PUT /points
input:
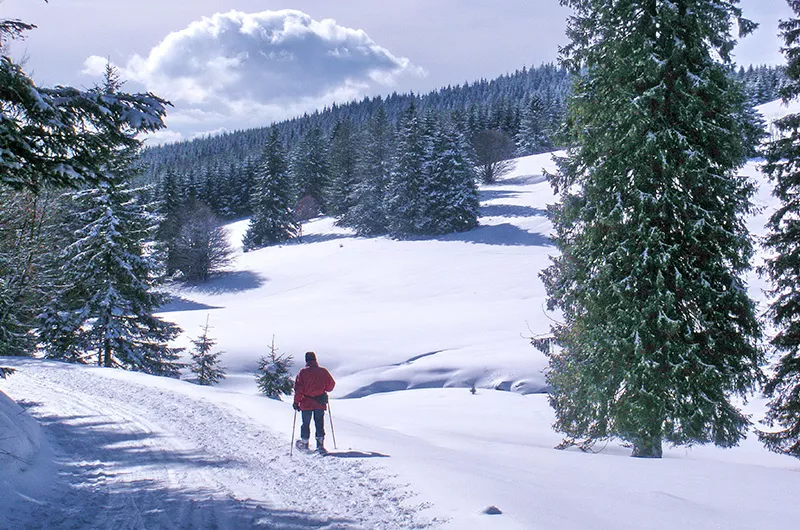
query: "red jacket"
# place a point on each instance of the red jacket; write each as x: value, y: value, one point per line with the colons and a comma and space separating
x: 312, y: 381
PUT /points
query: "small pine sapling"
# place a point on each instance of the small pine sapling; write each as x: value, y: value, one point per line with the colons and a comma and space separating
x: 272, y: 375
x: 205, y: 363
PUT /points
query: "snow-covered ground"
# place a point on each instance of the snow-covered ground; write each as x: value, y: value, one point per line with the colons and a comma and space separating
x: 406, y: 327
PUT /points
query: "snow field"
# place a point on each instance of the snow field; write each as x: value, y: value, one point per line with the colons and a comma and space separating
x: 406, y: 327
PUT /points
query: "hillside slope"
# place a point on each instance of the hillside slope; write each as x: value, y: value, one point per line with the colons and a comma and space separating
x: 406, y: 327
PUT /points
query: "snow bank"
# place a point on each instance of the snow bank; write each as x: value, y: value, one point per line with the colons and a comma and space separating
x: 21, y: 446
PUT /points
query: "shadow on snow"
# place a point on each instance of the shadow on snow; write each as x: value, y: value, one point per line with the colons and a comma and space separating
x: 230, y: 282
x: 356, y: 454
x: 511, y: 210
x: 96, y: 490
x: 177, y: 303
x: 504, y: 234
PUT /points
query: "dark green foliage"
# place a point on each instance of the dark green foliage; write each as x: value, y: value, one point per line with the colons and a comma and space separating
x: 205, y: 363
x: 171, y: 207
x: 407, y: 180
x: 272, y: 220
x: 49, y: 139
x: 450, y: 194
x: 103, y: 307
x: 367, y: 214
x: 221, y: 166
x: 658, y: 331
x: 344, y: 158
x: 783, y: 158
x: 535, y: 135
x: 62, y: 136
x: 272, y: 376
x: 310, y: 168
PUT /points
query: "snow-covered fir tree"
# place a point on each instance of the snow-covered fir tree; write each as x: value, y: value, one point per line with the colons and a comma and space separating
x: 205, y: 362
x: 450, y: 193
x: 62, y: 136
x: 658, y: 332
x: 344, y: 160
x: 103, y: 310
x: 272, y: 220
x: 310, y: 168
x: 534, y: 136
x: 272, y: 376
x: 783, y: 166
x: 171, y: 204
x: 367, y: 214
x: 407, y: 180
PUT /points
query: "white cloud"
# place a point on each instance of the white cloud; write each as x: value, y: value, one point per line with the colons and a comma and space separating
x: 163, y: 136
x: 261, y: 66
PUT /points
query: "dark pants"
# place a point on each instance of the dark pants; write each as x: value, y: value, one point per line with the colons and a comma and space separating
x: 319, y: 424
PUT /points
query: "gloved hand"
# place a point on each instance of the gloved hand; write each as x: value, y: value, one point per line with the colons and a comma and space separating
x: 296, y: 407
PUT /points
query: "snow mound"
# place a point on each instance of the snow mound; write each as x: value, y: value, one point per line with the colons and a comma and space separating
x: 20, y: 444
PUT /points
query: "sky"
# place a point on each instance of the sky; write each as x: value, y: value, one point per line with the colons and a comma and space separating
x: 229, y: 65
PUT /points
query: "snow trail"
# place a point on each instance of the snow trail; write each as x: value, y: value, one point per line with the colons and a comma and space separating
x: 133, y: 456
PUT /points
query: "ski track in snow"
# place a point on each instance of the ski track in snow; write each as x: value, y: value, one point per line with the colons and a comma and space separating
x: 131, y: 456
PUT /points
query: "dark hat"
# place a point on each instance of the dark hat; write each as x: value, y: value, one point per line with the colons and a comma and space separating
x: 310, y: 356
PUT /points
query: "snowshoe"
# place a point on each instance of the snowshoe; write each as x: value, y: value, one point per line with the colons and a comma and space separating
x: 302, y: 445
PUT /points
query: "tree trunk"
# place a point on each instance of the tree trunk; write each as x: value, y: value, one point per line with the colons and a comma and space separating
x: 107, y: 354
x: 647, y: 447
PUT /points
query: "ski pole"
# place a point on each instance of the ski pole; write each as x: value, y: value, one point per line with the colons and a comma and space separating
x: 294, y: 424
x: 333, y: 433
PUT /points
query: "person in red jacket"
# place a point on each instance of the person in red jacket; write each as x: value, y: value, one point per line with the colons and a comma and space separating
x: 311, y: 387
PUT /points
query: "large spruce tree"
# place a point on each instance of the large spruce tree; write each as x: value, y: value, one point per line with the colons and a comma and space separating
x: 344, y: 157
x: 272, y: 220
x: 404, y: 192
x: 658, y: 331
x: 450, y: 193
x: 367, y: 213
x: 310, y: 168
x: 103, y: 309
x: 783, y: 166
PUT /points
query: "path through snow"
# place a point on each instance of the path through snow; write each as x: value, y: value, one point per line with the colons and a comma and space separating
x: 131, y: 456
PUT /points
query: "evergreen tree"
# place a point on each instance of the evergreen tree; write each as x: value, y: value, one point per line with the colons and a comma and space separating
x: 451, y: 194
x: 272, y: 376
x: 407, y: 180
x: 205, y: 363
x: 783, y: 166
x: 62, y: 136
x: 658, y: 332
x: 104, y: 305
x: 311, y: 168
x: 272, y: 220
x: 367, y: 214
x: 344, y: 162
x: 533, y: 136
x: 171, y: 206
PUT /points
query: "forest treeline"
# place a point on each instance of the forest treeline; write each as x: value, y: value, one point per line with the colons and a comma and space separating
x: 516, y: 114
